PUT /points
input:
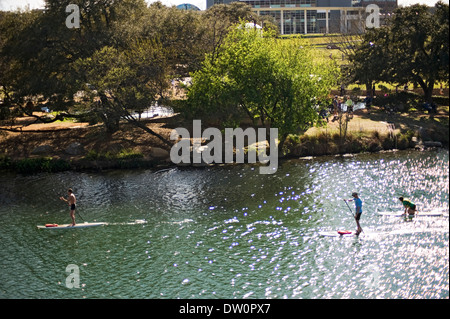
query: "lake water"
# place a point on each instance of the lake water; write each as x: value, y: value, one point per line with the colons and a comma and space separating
x: 229, y: 232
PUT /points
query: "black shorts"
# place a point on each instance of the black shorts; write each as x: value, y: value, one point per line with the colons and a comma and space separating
x: 358, y: 216
x: 413, y: 207
x: 72, y: 207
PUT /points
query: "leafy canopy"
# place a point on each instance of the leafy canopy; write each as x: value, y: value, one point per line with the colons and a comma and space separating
x: 412, y: 47
x: 257, y: 76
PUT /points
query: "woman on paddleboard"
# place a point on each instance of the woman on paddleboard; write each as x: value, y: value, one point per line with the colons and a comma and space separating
x: 409, y: 206
x: 72, y: 201
x: 358, y: 211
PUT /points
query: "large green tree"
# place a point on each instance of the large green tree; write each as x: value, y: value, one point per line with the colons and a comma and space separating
x: 258, y: 76
x: 12, y: 24
x: 418, y: 46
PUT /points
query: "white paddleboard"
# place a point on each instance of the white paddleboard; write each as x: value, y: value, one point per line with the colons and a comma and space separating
x: 69, y: 226
x: 432, y: 213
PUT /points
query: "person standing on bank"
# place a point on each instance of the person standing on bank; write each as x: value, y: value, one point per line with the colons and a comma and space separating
x: 72, y: 201
x: 358, y: 210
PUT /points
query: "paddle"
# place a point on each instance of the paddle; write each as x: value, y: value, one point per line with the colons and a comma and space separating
x: 80, y: 215
x: 349, y: 208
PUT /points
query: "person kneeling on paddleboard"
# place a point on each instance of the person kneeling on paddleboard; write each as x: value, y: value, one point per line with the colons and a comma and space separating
x: 358, y: 211
x: 409, y: 206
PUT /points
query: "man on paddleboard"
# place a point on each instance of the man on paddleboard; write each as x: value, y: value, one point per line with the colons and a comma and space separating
x: 358, y: 211
x: 409, y: 206
x: 72, y: 201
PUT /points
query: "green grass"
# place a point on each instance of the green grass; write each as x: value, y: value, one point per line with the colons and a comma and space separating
x: 124, y: 154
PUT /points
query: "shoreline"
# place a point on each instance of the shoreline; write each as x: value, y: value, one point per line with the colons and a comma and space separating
x: 34, y: 165
x: 70, y: 146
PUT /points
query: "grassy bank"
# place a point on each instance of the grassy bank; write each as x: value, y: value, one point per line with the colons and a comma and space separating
x: 324, y: 143
x: 53, y: 165
x: 373, y: 131
x: 131, y: 148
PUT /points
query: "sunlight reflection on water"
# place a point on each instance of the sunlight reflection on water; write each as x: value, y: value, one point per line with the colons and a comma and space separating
x: 232, y: 233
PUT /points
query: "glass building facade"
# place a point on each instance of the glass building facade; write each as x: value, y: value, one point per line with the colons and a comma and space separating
x: 268, y: 3
x: 293, y: 21
x: 312, y: 16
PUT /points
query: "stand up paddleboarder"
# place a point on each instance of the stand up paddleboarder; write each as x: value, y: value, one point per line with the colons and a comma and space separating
x: 72, y: 201
x: 358, y: 210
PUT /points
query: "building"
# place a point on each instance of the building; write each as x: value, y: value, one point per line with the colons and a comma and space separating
x: 315, y: 16
x: 188, y: 6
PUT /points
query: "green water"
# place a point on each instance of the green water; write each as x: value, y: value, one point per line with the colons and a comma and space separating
x: 229, y: 232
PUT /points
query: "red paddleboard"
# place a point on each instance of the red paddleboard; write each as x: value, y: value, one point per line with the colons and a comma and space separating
x: 339, y: 233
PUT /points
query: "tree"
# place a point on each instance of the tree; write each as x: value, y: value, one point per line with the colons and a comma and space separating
x: 46, y: 58
x: 11, y: 24
x: 365, y: 65
x: 421, y: 38
x: 122, y: 57
x: 123, y: 81
x: 220, y: 18
x: 412, y: 47
x: 182, y: 33
x: 263, y: 78
x: 44, y: 48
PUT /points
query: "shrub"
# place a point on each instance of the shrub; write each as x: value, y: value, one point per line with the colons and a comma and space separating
x: 375, y: 135
x: 5, y: 162
x: 404, y: 140
x: 129, y: 154
x: 124, y: 154
x: 388, y: 143
x: 41, y: 164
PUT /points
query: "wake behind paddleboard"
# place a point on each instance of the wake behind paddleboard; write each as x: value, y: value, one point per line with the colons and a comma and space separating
x: 339, y: 233
x: 69, y: 226
x: 432, y: 213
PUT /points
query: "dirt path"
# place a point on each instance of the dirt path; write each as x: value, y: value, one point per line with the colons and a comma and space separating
x: 60, y: 135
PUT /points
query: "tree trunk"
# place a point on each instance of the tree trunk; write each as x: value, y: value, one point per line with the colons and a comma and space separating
x: 429, y: 92
x: 427, y: 89
x: 111, y: 122
x: 369, y: 91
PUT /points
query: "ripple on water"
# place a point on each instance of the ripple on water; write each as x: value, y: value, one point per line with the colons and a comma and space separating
x: 232, y: 233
